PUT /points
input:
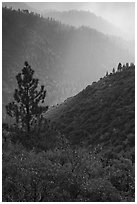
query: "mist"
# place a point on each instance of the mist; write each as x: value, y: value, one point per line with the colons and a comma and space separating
x: 68, y: 102
x: 120, y: 14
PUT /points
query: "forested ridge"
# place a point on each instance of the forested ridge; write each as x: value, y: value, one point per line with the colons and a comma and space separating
x: 101, y: 112
x: 79, y: 18
x: 84, y: 153
x: 62, y: 56
x: 82, y: 149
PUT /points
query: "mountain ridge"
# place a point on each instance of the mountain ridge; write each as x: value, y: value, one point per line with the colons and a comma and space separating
x: 79, y: 18
x: 101, y: 112
x: 64, y: 58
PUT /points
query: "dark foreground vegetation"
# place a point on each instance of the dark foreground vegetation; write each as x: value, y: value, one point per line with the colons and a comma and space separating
x: 66, y: 174
x: 43, y: 163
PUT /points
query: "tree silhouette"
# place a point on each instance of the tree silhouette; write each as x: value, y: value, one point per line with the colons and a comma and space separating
x: 25, y: 108
x: 119, y: 67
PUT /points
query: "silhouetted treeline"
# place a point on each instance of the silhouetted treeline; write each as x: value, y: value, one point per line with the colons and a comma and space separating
x: 122, y: 68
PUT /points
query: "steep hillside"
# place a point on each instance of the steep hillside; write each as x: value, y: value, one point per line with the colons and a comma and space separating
x: 103, y: 113
x: 43, y: 166
x: 64, y: 58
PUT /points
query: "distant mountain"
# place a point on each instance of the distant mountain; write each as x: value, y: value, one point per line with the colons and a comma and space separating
x: 64, y: 58
x: 84, y: 18
x: 101, y: 114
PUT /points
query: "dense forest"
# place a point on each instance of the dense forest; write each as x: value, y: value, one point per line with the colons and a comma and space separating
x: 85, y: 152
x: 95, y: 110
x: 62, y: 56
x: 79, y: 150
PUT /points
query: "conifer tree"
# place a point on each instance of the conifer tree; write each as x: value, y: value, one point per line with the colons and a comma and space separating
x: 26, y: 107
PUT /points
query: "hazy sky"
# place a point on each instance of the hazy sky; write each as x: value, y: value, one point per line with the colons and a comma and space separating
x: 121, y: 14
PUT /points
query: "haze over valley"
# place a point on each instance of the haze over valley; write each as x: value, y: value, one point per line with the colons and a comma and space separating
x: 68, y: 102
x: 65, y: 58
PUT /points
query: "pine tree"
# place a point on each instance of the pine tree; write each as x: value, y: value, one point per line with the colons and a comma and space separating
x: 25, y: 108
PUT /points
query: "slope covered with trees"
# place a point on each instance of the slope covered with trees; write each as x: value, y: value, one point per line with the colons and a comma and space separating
x: 103, y: 113
x: 48, y: 167
x: 83, y: 18
x: 64, y: 58
x: 82, y: 149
